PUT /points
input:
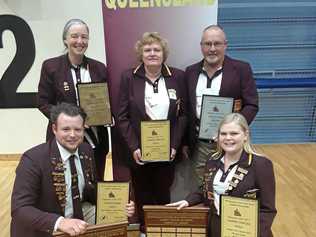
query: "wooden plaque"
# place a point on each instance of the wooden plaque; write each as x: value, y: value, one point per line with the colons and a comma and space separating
x: 165, y: 221
x: 102, y: 230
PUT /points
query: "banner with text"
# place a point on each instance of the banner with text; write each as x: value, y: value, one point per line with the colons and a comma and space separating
x: 179, y: 21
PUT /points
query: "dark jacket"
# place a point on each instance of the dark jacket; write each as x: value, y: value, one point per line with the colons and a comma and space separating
x: 34, y: 204
x: 260, y: 176
x: 237, y: 82
x: 132, y: 105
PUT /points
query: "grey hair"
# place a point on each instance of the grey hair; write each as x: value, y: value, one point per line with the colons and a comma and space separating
x: 215, y: 27
x: 69, y: 24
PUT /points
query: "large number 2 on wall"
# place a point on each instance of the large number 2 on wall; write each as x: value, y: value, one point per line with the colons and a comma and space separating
x: 20, y: 65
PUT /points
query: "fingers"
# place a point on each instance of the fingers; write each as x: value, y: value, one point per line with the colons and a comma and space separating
x: 137, y: 157
x: 73, y: 227
x: 180, y: 204
x: 79, y: 227
x: 174, y: 204
x: 173, y: 154
x: 113, y: 122
x: 130, y: 209
x: 78, y: 230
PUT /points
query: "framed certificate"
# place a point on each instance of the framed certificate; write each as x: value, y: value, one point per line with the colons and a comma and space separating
x: 155, y: 140
x: 239, y: 216
x: 213, y: 110
x: 94, y: 99
x: 112, y: 198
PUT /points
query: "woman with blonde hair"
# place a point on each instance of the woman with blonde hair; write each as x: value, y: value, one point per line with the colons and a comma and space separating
x: 236, y: 170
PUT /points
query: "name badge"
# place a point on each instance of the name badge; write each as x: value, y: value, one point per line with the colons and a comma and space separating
x: 172, y: 94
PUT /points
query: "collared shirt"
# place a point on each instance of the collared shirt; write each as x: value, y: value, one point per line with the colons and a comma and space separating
x: 84, y: 78
x: 156, y: 99
x: 221, y: 181
x: 65, y: 158
x: 201, y: 89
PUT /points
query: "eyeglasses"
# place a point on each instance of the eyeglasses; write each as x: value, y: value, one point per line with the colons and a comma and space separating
x: 216, y: 44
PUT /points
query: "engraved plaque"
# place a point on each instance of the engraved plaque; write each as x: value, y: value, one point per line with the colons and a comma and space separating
x: 169, y: 222
x: 94, y: 99
x: 239, y: 216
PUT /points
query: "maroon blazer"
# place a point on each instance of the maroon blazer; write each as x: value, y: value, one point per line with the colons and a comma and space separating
x: 260, y: 177
x: 34, y: 204
x: 237, y: 82
x: 132, y: 105
x: 55, y: 74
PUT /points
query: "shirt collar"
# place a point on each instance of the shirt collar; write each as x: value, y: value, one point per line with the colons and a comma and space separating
x: 84, y: 63
x: 64, y: 153
x: 231, y: 165
x: 202, y: 69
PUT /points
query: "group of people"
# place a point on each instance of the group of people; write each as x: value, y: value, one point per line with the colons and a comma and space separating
x: 43, y: 197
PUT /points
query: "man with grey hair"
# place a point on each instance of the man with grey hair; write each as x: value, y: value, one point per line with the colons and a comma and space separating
x: 219, y: 75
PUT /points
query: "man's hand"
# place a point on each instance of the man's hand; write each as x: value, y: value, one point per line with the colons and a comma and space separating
x: 137, y: 157
x: 73, y: 227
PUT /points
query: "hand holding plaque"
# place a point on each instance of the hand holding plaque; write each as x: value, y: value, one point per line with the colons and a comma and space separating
x: 155, y: 139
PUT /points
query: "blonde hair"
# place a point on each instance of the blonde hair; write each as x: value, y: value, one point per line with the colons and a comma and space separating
x: 240, y: 120
x: 150, y: 38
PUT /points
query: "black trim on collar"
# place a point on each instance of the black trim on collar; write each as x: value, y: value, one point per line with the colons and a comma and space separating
x: 140, y: 71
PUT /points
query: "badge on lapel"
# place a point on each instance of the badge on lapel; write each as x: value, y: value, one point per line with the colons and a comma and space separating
x: 66, y: 86
x: 172, y: 94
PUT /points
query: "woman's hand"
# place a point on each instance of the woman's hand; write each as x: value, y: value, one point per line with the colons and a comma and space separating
x: 137, y: 156
x: 113, y: 122
x: 173, y: 154
x: 180, y: 204
x: 130, y: 209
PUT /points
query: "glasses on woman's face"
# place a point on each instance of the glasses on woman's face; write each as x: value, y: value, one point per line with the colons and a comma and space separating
x: 209, y: 44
